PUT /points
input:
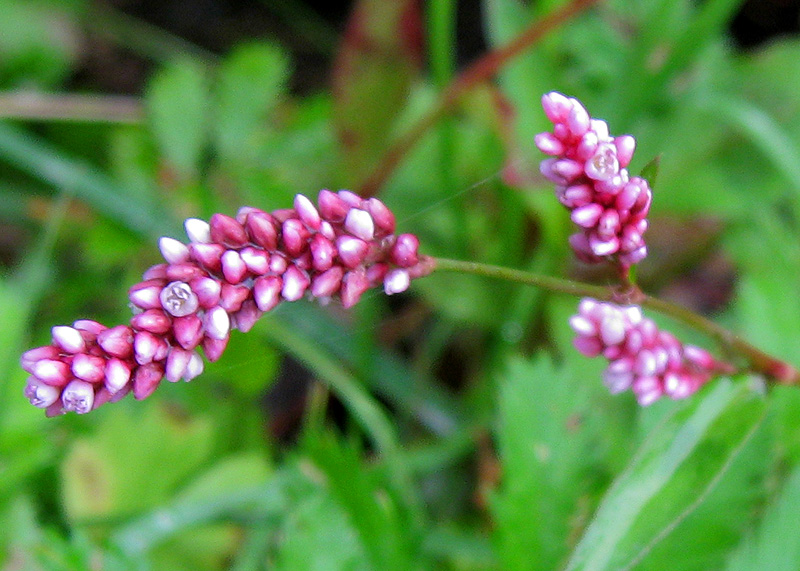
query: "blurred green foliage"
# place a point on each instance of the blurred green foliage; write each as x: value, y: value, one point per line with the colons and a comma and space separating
x: 456, y: 428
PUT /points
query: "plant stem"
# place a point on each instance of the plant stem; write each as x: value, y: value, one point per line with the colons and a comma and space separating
x: 71, y: 107
x: 480, y: 71
x: 757, y: 360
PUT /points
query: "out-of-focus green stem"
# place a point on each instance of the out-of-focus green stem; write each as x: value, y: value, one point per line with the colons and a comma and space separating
x: 757, y: 360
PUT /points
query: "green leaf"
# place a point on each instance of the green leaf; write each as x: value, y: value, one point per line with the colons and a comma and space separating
x: 249, y: 84
x: 373, y: 509
x: 681, y: 461
x: 774, y: 546
x: 177, y: 103
x: 553, y: 438
x: 118, y: 471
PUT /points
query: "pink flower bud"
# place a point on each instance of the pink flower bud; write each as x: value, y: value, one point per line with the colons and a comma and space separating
x: 227, y: 231
x: 405, y: 251
x: 188, y: 331
x: 232, y: 297
x: 88, y: 368
x: 174, y: 252
x: 332, y: 207
x: 262, y: 229
x: 117, y: 374
x: 295, y: 283
x: 266, y: 292
x: 146, y: 380
x: 382, y: 216
x: 208, y: 255
x: 327, y: 283
x: 68, y: 338
x: 153, y: 320
x: 247, y: 316
x: 198, y: 231
x: 213, y: 348
x: 78, y: 396
x: 352, y: 251
x: 233, y: 267
x: 256, y: 260
x: 217, y: 323
x: 294, y: 236
x: 40, y: 394
x: 307, y: 212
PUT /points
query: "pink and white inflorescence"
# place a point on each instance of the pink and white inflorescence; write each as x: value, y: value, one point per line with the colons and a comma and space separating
x: 642, y: 358
x: 231, y: 272
x: 589, y: 168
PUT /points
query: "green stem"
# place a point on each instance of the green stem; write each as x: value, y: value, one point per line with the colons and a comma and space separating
x: 757, y: 360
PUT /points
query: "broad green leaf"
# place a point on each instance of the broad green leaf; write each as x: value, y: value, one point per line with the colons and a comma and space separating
x: 774, y: 546
x: 249, y: 83
x: 381, y: 522
x: 560, y: 436
x: 372, y: 77
x: 177, y: 103
x: 675, y: 469
x: 132, y: 463
x: 317, y: 535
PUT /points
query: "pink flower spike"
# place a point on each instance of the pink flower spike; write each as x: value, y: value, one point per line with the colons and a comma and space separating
x: 78, y: 396
x: 68, y: 338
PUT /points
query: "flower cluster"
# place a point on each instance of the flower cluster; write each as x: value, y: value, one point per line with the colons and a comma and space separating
x: 588, y: 167
x: 651, y: 362
x: 230, y: 273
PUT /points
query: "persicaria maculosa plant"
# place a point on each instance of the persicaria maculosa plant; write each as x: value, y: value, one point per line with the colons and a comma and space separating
x: 233, y: 270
